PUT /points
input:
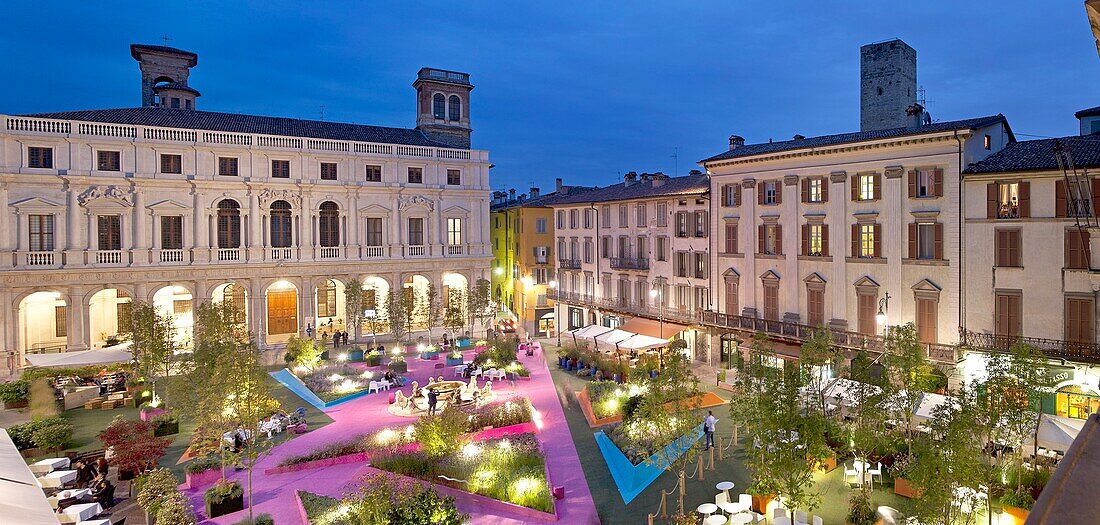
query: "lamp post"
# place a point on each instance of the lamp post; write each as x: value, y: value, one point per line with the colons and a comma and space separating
x: 883, y: 309
x: 557, y: 322
x: 657, y: 294
x: 527, y: 282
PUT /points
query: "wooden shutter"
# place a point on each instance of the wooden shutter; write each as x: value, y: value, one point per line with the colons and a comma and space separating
x: 938, y: 243
x: 855, y: 187
x: 912, y: 184
x: 760, y: 192
x: 1025, y: 199
x: 878, y: 240
x: 779, y: 192
x: 912, y: 240
x: 991, y: 200
x: 706, y: 223
x: 1060, y: 198
x: 805, y: 239
x: 779, y: 239
x: 855, y: 240
x: 825, y: 189
x: 805, y: 190
x: 825, y: 240
x: 926, y: 320
x: 1000, y: 250
x: 737, y: 194
x: 937, y: 182
x: 1096, y: 197
x: 877, y: 179
x: 760, y: 231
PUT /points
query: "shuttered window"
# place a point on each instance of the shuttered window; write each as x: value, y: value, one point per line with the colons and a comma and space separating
x: 815, y: 240
x: 732, y: 306
x: 1007, y: 247
x: 60, y: 321
x: 771, y: 300
x: 927, y: 315
x: 171, y: 163
x: 171, y: 232
x: 40, y: 228
x: 1077, y: 249
x: 731, y: 237
x: 1080, y: 320
x: 1007, y: 314
x: 815, y: 305
x: 110, y: 232
x: 229, y: 224
x: 867, y: 302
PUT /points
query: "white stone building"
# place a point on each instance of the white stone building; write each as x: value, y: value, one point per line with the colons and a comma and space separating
x: 178, y: 206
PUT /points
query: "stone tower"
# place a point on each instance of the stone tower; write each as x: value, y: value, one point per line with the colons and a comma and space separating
x: 443, y: 105
x: 888, y: 84
x: 164, y: 72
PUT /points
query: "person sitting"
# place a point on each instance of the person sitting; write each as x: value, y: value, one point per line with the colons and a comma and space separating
x: 391, y: 377
x: 469, y: 371
x: 84, y: 473
x: 103, y: 492
x: 101, y: 466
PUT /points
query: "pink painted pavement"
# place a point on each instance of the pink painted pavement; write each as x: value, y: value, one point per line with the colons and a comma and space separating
x: 274, y: 494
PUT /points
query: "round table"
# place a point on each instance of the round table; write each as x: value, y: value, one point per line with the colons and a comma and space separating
x: 725, y: 487
x: 732, y: 507
x: 707, y: 508
x: 743, y: 517
x: 717, y: 519
x: 782, y: 520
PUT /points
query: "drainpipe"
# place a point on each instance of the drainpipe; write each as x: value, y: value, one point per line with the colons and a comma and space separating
x: 962, y: 242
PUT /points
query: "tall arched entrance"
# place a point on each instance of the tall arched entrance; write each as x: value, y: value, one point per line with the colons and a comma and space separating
x: 282, y: 311
x: 177, y: 302
x: 233, y: 294
x: 43, y: 323
x: 109, y: 316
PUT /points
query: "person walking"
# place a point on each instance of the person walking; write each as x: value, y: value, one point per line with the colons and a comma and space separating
x: 309, y: 330
x: 433, y: 398
x: 708, y: 428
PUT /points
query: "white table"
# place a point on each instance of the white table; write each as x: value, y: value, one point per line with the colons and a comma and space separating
x: 48, y: 465
x: 707, y: 508
x: 65, y: 494
x: 732, y: 507
x: 716, y: 519
x: 743, y: 517
x: 725, y: 486
x: 79, y: 512
x: 57, y: 478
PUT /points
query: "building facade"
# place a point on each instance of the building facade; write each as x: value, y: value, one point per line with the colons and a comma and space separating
x: 176, y: 206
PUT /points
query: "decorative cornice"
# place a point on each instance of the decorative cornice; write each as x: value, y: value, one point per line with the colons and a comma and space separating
x: 790, y: 180
x: 838, y: 176
x: 105, y: 193
x: 405, y: 202
x: 894, y: 172
x: 840, y: 148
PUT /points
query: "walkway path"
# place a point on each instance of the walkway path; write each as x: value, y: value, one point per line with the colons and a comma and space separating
x: 274, y: 494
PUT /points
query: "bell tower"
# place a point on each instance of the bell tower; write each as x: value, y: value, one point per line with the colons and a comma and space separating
x: 164, y: 72
x: 443, y: 106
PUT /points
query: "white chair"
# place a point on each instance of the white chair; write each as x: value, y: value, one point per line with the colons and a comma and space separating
x: 373, y: 387
x: 877, y: 471
x: 852, y: 473
x: 801, y: 518
x: 459, y: 369
x: 476, y: 373
x: 779, y: 512
x: 721, y: 498
x: 818, y: 520
x: 385, y: 384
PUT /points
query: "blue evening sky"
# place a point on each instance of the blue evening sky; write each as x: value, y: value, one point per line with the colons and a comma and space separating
x: 579, y: 90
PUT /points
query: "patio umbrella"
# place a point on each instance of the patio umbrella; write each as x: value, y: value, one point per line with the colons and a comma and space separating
x: 112, y: 354
x: 642, y: 342
x: 845, y: 392
x: 926, y: 408
x: 1056, y: 432
x: 612, y: 337
x: 20, y: 496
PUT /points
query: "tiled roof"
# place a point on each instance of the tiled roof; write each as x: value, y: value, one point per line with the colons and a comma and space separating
x: 848, y: 138
x: 236, y: 123
x: 686, y: 185
x: 1087, y: 112
x: 176, y: 85
x: 136, y: 48
x: 548, y: 199
x: 1038, y: 155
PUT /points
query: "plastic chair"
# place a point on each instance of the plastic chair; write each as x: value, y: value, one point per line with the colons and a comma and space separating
x: 851, y: 473
x: 877, y: 471
x: 373, y: 387
x: 721, y: 498
x: 818, y: 520
x: 801, y: 518
x: 779, y: 512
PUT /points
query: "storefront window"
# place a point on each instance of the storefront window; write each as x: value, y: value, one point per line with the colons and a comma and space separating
x: 1073, y: 402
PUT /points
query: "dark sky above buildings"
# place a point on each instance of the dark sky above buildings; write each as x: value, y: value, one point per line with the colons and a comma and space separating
x: 574, y: 89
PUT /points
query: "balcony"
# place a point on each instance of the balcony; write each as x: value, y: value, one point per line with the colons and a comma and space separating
x: 630, y: 263
x: 569, y: 264
x: 330, y: 252
x: 282, y: 254
x: 1078, y: 208
x: 1053, y: 348
x: 108, y: 257
x: 417, y: 250
x: 454, y: 249
x: 1008, y: 210
x: 39, y: 258
x: 171, y: 256
x: 229, y: 254
x: 374, y: 252
x: 619, y: 304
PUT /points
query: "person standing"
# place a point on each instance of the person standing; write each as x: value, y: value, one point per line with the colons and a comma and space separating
x: 708, y: 428
x: 309, y: 330
x: 433, y: 398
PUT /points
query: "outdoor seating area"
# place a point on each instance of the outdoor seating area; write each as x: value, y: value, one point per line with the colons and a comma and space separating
x: 78, y: 492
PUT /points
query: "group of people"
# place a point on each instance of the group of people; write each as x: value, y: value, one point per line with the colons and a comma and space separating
x: 339, y: 337
x: 92, y: 475
x: 275, y: 424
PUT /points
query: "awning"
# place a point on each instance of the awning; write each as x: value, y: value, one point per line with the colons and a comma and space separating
x: 112, y: 354
x: 652, y: 328
x: 927, y: 406
x: 846, y: 392
x: 1056, y: 433
x: 591, y: 330
x: 642, y: 342
x: 613, y: 336
x: 20, y: 495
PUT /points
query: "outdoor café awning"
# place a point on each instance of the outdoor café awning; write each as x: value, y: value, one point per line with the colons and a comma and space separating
x: 112, y: 354
x: 591, y: 330
x: 846, y: 392
x: 1056, y: 433
x: 652, y: 328
x: 20, y: 496
x: 609, y: 339
x: 642, y: 342
x: 926, y: 408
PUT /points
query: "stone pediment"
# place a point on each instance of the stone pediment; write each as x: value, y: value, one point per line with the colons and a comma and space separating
x: 109, y: 195
x: 927, y: 286
x: 456, y: 210
x: 769, y: 275
x: 409, y: 201
x: 374, y: 209
x: 37, y: 204
x: 731, y: 273
x: 866, y: 282
x: 814, y: 277
x: 169, y: 206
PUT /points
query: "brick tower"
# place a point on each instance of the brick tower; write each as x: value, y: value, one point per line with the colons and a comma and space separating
x: 888, y: 84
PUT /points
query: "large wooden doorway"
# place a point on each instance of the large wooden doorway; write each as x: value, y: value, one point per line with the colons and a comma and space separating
x: 282, y: 312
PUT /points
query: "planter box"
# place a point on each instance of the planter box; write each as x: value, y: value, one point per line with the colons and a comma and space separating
x: 355, y: 356
x: 903, y: 488
x: 1018, y: 515
x: 227, y: 506
x: 429, y: 355
x: 16, y: 404
x: 167, y: 429
x: 760, y: 503
x: 499, y: 432
x: 204, y: 478
x: 483, y: 504
x: 455, y: 361
x: 826, y: 464
x: 632, y: 479
x: 320, y: 463
x: 149, y: 413
x: 373, y: 360
x: 399, y: 367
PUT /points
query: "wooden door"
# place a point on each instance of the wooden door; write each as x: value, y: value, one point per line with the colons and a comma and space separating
x: 867, y: 312
x: 282, y: 312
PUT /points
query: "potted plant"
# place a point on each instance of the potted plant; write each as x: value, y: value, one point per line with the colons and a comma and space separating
x: 454, y: 358
x: 430, y: 352
x: 176, y: 510
x: 262, y: 519
x: 156, y: 487
x: 399, y: 365
x: 902, y: 486
x: 859, y: 510
x: 165, y: 425
x: 355, y: 355
x: 1017, y: 504
x: 373, y: 358
x: 53, y: 436
x: 202, y: 470
x: 152, y: 409
x: 15, y: 393
x: 224, y: 497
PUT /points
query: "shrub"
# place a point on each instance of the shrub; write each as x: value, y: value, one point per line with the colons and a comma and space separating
x: 1020, y: 499
x: 43, y: 401
x: 23, y: 434
x: 135, y: 448
x: 859, y: 510
x: 176, y: 510
x: 53, y: 435
x: 159, y: 485
x: 441, y: 434
x: 203, y: 464
x: 14, y: 391
x: 383, y: 501
x: 329, y: 450
x: 304, y: 352
x: 412, y: 464
x: 222, y: 491
x: 321, y: 382
x: 499, y: 414
x: 262, y: 519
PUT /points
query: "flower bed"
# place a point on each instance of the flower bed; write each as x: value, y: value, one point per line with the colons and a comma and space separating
x: 385, y: 439
x: 503, y: 355
x: 632, y: 478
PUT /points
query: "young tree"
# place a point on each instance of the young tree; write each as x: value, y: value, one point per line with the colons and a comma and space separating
x: 353, y: 307
x: 454, y: 316
x: 399, y: 309
x: 248, y: 401
x: 433, y: 308
x: 907, y: 369
x: 479, y: 302
x: 817, y: 355
x: 154, y: 342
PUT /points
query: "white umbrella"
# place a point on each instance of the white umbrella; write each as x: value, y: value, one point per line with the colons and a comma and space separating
x: 846, y: 392
x: 926, y: 408
x: 113, y: 354
x: 1056, y: 433
x: 642, y: 342
x: 591, y: 330
x: 612, y: 337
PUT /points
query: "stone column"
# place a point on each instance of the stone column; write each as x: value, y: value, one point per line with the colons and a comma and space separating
x: 79, y: 329
x: 307, y: 304
x: 257, y: 310
x: 6, y: 231
x: 201, y: 229
x: 255, y: 232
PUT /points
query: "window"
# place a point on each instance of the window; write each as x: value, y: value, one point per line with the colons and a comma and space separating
x: 731, y: 237
x: 281, y: 236
x: 60, y: 321
x: 280, y: 169
x: 229, y: 224
x: 813, y: 190
x: 328, y: 224
x: 731, y: 296
x: 454, y: 231
x: 928, y: 243
x: 171, y: 232
x: 866, y: 241
x: 572, y: 219
x: 988, y: 142
x: 606, y: 211
x: 700, y: 265
x: 865, y: 190
x: 1008, y: 200
x: 605, y: 247
x: 227, y: 166
x: 41, y: 233
x: 574, y: 250
x: 925, y: 183
x: 541, y: 275
x: 681, y: 266
x: 815, y: 304
x: 731, y: 195
x: 1080, y: 320
x: 373, y: 173
x: 813, y: 239
x: 1007, y: 247
x: 416, y: 175
x: 175, y: 103
x: 326, y: 299
x: 454, y: 177
x: 771, y: 300
x: 927, y: 315
x: 588, y: 251
x: 771, y: 239
x: 1007, y: 310
x: 374, y: 231
x: 641, y: 247
x: 561, y: 219
x: 624, y: 247
x: 662, y: 248
x: 454, y: 108
x: 701, y: 226
x: 416, y: 231
x: 540, y: 225
x: 1072, y: 200
x: 681, y: 224
x: 662, y: 214
x: 701, y: 302
x: 110, y: 232
x: 328, y: 170
x: 867, y: 304
x: 641, y: 219
x: 171, y: 163
x: 439, y: 106
x: 770, y: 195
x: 108, y: 160
x: 39, y: 157
x: 624, y: 220
x: 588, y: 213
x: 1077, y: 249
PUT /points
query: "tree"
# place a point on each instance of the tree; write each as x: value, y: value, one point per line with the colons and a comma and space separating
x: 248, y: 401
x: 133, y: 447
x: 399, y: 309
x: 454, y: 316
x: 432, y: 307
x: 479, y: 302
x: 154, y: 342
x: 304, y: 352
x: 818, y: 355
x: 908, y: 369
x: 353, y: 306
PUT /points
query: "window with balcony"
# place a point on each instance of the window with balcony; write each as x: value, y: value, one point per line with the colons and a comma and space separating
x: 41, y: 232
x: 731, y: 238
x: 280, y: 169
x: 171, y: 163
x: 574, y: 250
x: 1007, y: 313
x: 454, y: 231
x: 416, y: 175
x: 328, y: 224
x: 732, y: 301
x: 329, y: 170
x: 108, y: 160
x: 454, y: 177
x: 700, y: 265
x: 866, y: 240
x: 109, y: 232
x: 624, y: 247
x: 702, y: 299
x: 815, y: 304
x: 927, y: 319
x: 624, y: 219
x: 374, y: 231
x: 588, y: 251
x: 373, y: 173
x: 39, y: 157
x: 540, y: 225
x: 771, y: 299
x: 771, y: 239
x: 326, y: 299
x: 1007, y: 200
x: 171, y: 232
x: 1007, y: 247
x: 1072, y: 200
x: 416, y: 231
x: 662, y: 248
x: 814, y: 240
x: 641, y: 247
x: 280, y: 219
x: 227, y: 166
x: 866, y: 187
x: 229, y: 224
x: 1077, y: 249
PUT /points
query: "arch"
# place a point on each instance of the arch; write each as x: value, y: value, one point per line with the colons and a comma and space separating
x: 439, y: 106
x: 454, y: 108
x: 415, y: 287
x: 376, y: 292
x: 163, y: 79
x: 282, y: 310
x: 108, y: 316
x: 328, y: 224
x: 229, y: 224
x: 43, y: 322
x: 236, y: 295
x: 281, y: 231
x: 177, y: 302
x: 331, y: 304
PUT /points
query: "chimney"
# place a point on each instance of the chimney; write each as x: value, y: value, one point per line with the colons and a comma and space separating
x: 695, y: 172
x: 512, y: 194
x: 629, y: 179
x: 645, y: 177
x: 557, y: 184
x: 915, y: 116
x: 534, y: 192
x: 799, y: 137
x: 736, y: 140
x: 658, y: 179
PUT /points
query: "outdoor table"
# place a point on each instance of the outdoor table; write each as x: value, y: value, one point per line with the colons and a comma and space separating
x: 782, y: 520
x: 385, y: 384
x: 65, y: 494
x: 717, y: 519
x: 57, y: 478
x: 48, y: 465
x: 79, y: 512
x: 743, y: 517
x: 707, y: 508
x: 102, y: 521
x: 862, y: 467
x: 732, y: 507
x: 725, y: 487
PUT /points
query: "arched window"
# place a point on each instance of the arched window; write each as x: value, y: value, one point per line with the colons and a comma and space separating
x: 439, y: 106
x: 280, y: 225
x: 454, y: 108
x: 329, y: 224
x: 229, y: 224
x: 234, y: 296
x: 326, y: 299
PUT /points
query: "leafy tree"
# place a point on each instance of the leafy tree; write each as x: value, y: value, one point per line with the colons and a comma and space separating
x: 304, y: 351
x: 479, y: 302
x: 818, y: 354
x: 154, y: 340
x: 132, y: 444
x: 42, y: 399
x: 908, y: 369
x: 442, y: 433
x: 399, y: 312
x: 454, y: 316
x: 353, y: 306
x: 159, y: 485
x: 176, y: 510
x: 432, y: 307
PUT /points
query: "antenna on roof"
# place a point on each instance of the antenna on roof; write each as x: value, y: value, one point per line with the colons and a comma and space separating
x: 675, y: 160
x: 165, y: 39
x: 322, y: 112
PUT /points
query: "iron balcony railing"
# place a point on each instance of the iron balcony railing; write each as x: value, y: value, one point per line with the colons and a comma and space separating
x: 569, y: 264
x: 630, y: 263
x: 1053, y: 348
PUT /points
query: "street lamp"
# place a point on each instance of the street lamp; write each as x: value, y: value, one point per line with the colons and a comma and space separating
x: 883, y: 308
x: 527, y: 282
x: 658, y: 295
x: 557, y: 326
